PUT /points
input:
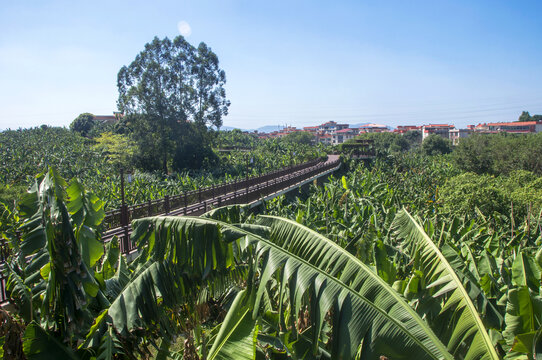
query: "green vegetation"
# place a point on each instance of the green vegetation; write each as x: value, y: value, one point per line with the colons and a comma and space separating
x: 96, y: 163
x: 419, y: 254
x: 435, y: 145
x: 116, y: 148
x: 170, y: 93
x: 392, y: 143
x: 498, y: 154
x: 525, y: 116
x: 490, y: 246
x: 299, y: 137
x: 83, y: 124
x: 518, y: 194
x: 361, y: 278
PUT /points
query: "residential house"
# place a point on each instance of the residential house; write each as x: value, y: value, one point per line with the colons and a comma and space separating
x: 437, y: 129
x: 456, y: 134
x: 516, y: 127
x: 373, y: 128
x: 342, y: 135
x: 331, y: 126
x: 401, y: 129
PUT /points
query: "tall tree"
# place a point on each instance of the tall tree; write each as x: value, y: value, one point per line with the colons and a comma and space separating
x: 525, y: 116
x: 210, y: 94
x: 169, y: 84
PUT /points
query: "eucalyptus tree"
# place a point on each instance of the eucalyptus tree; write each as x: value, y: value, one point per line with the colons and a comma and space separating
x: 209, y: 89
x: 172, y: 86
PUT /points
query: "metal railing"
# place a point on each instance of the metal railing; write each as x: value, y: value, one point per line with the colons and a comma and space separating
x: 125, y: 214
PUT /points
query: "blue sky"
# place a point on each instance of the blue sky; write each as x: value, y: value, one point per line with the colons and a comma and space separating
x: 287, y: 62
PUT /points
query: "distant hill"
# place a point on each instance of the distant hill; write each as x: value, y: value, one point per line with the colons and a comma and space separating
x: 266, y: 129
x: 229, y: 128
x: 358, y: 125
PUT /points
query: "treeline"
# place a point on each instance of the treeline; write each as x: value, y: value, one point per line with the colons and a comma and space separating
x: 518, y: 194
x: 485, y: 173
x: 498, y: 154
x: 388, y: 143
x: 494, y: 154
x: 501, y: 174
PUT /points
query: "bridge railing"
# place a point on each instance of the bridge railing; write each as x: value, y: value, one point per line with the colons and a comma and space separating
x: 195, y: 202
x: 124, y: 215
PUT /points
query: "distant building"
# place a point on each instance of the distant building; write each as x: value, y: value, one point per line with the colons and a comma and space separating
x: 325, y: 139
x: 516, y: 127
x: 287, y: 130
x: 278, y: 133
x: 331, y: 126
x: 373, y: 128
x: 108, y: 119
x: 311, y: 129
x: 456, y: 134
x: 341, y: 136
x: 401, y: 129
x: 442, y: 130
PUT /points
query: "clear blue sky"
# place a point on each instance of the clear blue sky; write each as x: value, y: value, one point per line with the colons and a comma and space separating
x: 287, y: 62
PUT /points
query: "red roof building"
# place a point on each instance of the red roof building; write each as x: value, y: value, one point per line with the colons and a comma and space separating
x: 437, y: 129
x: 342, y: 135
x: 519, y: 127
x: 401, y: 129
x: 331, y: 126
x: 372, y: 128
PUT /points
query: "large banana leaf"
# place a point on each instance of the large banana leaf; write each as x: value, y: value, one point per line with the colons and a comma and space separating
x: 459, y: 324
x: 57, y: 271
x: 350, y: 271
x: 369, y: 317
x: 38, y: 344
x: 236, y: 339
x: 177, y: 261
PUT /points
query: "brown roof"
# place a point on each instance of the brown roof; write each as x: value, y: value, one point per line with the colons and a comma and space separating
x: 347, y: 130
x: 438, y: 125
x: 516, y: 123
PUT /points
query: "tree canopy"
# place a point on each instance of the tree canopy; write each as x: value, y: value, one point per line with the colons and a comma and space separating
x: 435, y: 144
x: 525, y: 116
x: 118, y: 148
x: 299, y: 137
x: 83, y: 124
x: 499, y: 153
x: 173, y: 89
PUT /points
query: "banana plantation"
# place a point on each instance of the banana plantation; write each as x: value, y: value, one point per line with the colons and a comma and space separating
x: 376, y: 263
x: 27, y: 152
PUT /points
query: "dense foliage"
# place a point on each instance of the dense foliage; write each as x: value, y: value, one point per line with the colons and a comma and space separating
x: 391, y: 143
x: 96, y: 163
x: 172, y: 91
x: 409, y: 256
x: 436, y: 145
x: 83, y: 124
x: 500, y: 153
x: 372, y: 280
x: 491, y: 248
